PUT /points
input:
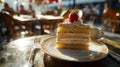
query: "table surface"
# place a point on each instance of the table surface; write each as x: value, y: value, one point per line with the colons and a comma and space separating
x: 39, y: 23
x: 17, y: 53
x: 39, y: 17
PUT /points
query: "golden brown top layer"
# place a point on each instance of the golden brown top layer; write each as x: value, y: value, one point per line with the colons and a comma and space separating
x: 70, y: 28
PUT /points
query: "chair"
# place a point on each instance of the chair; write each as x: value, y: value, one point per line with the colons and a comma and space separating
x: 65, y: 14
x: 37, y: 28
x: 15, y: 29
x: 50, y: 26
x: 111, y: 20
x: 8, y: 26
x: 50, y: 13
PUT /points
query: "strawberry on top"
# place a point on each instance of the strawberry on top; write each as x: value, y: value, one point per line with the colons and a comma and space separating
x: 73, y: 16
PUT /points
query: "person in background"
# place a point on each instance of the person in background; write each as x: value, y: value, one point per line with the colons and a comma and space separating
x: 30, y: 10
x: 7, y: 8
x: 22, y: 10
x: 100, y: 12
x: 40, y: 8
x: 86, y: 11
x: 94, y: 13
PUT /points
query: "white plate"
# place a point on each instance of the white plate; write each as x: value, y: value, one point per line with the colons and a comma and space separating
x: 97, y: 51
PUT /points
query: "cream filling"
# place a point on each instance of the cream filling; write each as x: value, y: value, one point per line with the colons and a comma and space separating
x: 73, y: 41
x: 72, y: 30
x: 72, y: 35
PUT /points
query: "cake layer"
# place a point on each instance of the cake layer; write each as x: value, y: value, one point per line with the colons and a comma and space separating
x: 74, y: 25
x: 71, y: 46
x: 72, y: 35
x: 73, y: 40
x: 73, y: 28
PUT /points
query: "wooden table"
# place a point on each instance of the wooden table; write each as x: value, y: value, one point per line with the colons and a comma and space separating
x: 43, y: 20
x: 27, y: 18
x: 17, y: 53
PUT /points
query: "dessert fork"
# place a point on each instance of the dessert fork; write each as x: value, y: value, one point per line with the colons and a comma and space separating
x: 35, y: 48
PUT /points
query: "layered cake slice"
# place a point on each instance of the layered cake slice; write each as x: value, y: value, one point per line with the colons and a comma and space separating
x: 73, y: 34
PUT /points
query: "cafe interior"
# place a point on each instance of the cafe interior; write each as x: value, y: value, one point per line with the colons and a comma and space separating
x: 29, y: 30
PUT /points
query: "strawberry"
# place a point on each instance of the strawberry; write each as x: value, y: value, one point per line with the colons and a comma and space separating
x: 73, y: 16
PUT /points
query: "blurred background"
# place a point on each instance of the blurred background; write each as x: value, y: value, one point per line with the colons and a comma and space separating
x: 67, y: 4
x: 103, y: 14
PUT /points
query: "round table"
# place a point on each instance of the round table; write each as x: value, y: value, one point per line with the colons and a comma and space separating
x: 17, y: 53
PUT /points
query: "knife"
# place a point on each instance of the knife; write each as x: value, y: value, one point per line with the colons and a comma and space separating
x: 113, y: 44
x: 115, y: 55
x: 110, y: 42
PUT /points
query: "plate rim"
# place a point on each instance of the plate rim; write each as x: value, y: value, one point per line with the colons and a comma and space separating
x: 46, y: 51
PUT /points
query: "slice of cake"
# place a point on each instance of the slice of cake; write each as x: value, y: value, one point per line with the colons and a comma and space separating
x: 73, y: 35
